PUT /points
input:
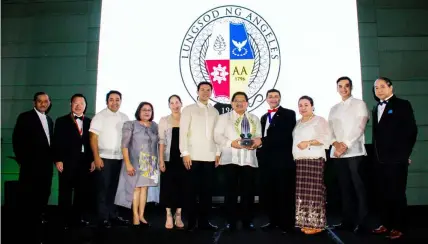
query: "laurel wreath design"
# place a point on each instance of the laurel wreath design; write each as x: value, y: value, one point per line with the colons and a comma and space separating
x: 202, y: 65
x: 256, y: 65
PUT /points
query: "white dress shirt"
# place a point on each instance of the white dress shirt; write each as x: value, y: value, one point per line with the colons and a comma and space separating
x: 108, y: 126
x: 45, y: 125
x: 315, y: 129
x: 225, y: 133
x: 348, y: 120
x: 80, y: 126
x: 197, y: 132
x: 79, y: 122
x: 381, y: 108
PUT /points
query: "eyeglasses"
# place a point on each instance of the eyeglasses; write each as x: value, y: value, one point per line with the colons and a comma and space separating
x: 240, y: 101
x: 146, y: 110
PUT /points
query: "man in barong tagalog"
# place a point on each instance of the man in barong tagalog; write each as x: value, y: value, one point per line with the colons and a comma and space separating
x: 105, y: 138
x: 238, y: 133
x: 200, y: 155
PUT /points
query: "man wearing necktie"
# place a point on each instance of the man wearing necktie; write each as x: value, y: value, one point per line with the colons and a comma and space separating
x: 74, y: 162
x: 277, y: 167
x: 394, y: 135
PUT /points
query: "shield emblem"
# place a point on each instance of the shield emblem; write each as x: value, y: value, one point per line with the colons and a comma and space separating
x: 229, y: 59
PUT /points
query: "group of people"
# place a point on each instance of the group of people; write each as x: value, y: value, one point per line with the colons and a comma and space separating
x: 182, y: 151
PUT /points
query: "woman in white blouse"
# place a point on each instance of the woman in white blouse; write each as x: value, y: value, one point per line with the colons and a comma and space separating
x: 238, y: 161
x: 310, y: 139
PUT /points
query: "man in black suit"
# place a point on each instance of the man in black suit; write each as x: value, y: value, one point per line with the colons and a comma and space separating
x: 394, y: 135
x: 74, y: 161
x: 277, y: 167
x: 31, y: 141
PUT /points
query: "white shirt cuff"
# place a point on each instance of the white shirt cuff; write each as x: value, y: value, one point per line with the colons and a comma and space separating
x: 185, y: 153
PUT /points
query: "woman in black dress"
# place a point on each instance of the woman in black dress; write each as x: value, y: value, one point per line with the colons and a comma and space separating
x: 172, y: 183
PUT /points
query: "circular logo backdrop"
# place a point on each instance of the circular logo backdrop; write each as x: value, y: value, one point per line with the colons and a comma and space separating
x: 234, y: 49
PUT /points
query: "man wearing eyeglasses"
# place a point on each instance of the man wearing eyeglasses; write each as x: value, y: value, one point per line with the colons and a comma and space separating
x: 238, y: 133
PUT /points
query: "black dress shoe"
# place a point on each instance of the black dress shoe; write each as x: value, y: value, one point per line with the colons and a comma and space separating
x: 83, y: 222
x: 345, y: 227
x: 361, y: 230
x: 65, y: 226
x: 120, y: 221
x: 288, y: 231
x: 43, y: 220
x: 268, y: 227
x: 230, y: 227
x: 207, y: 226
x: 248, y: 226
x: 191, y: 227
x: 105, y: 224
x: 333, y: 226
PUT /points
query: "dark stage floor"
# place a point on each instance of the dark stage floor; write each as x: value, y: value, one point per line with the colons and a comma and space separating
x: 53, y: 234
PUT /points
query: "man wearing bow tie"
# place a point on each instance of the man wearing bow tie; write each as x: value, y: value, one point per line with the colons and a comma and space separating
x: 276, y: 164
x: 74, y: 161
x: 394, y: 135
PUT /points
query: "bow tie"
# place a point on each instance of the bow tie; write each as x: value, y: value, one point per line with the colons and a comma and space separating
x: 272, y: 110
x: 76, y: 118
x: 382, y: 103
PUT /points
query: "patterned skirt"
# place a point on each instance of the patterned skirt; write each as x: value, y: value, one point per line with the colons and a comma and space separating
x: 310, y: 194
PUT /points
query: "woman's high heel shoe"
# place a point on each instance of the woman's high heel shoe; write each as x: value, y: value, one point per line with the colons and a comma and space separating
x: 146, y: 224
x: 175, y: 221
x: 134, y: 225
x: 169, y: 227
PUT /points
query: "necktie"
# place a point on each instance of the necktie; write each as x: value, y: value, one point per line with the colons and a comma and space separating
x: 76, y: 117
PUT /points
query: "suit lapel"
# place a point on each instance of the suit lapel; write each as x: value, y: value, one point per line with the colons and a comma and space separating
x: 263, y: 122
x: 86, y: 125
x: 374, y: 115
x: 388, y: 107
x: 275, y: 117
x: 51, y: 127
x: 74, y: 125
x: 39, y: 124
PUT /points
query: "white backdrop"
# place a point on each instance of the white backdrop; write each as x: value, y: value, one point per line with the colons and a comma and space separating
x: 140, y: 44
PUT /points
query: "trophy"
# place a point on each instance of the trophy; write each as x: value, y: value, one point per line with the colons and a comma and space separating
x: 246, y: 140
x: 245, y: 135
